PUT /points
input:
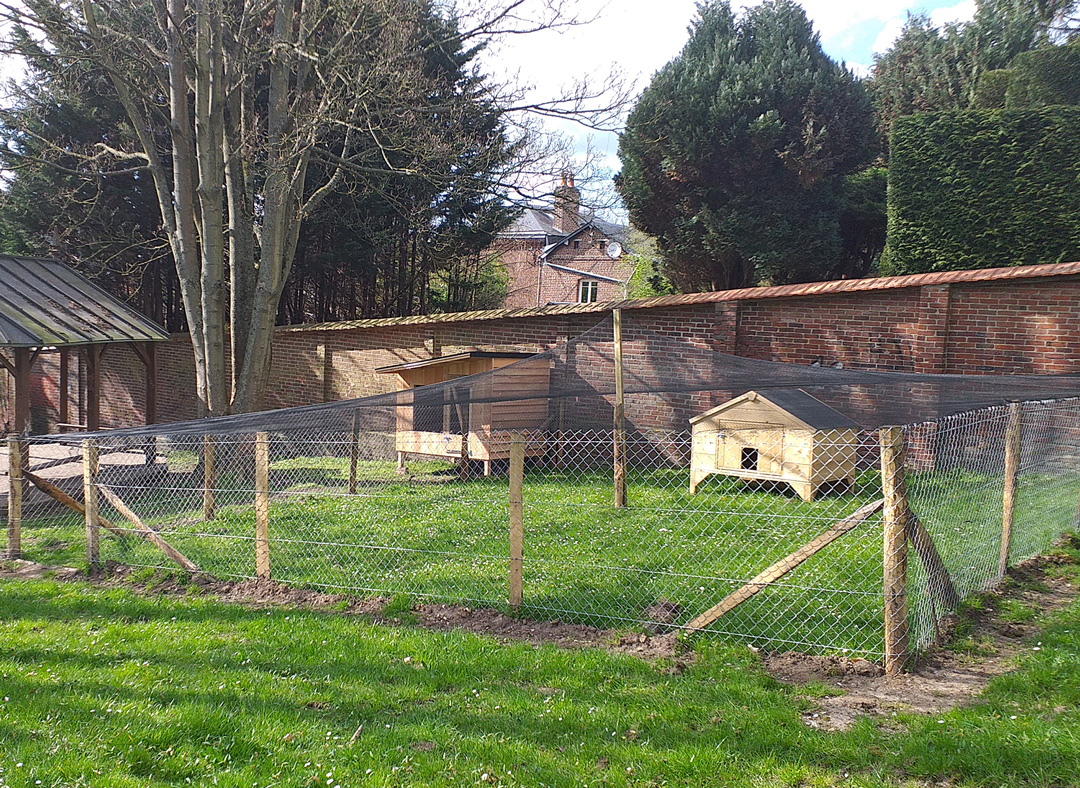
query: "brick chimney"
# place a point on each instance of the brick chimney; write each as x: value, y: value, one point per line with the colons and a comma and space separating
x: 567, y: 202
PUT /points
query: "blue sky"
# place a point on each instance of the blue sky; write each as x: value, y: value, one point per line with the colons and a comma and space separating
x: 637, y: 37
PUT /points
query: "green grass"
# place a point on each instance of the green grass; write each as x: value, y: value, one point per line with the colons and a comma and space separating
x: 428, y: 536
x: 103, y: 687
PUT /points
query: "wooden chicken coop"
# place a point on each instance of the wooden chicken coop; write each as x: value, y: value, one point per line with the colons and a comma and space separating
x: 477, y: 429
x: 782, y: 435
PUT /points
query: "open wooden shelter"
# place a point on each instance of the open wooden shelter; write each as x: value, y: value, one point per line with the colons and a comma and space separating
x: 473, y: 430
x: 46, y: 307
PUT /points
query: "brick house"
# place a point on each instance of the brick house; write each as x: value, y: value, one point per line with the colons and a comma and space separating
x: 563, y: 257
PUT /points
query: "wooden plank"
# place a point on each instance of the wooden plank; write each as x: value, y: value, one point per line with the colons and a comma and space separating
x: 209, y: 495
x: 517, y: 517
x: 90, y: 504
x: 262, y: 505
x: 146, y: 532
x: 60, y: 496
x: 894, y: 548
x: 1012, y: 467
x: 619, y: 443
x: 941, y: 584
x: 464, y: 413
x: 15, y: 497
x: 784, y: 566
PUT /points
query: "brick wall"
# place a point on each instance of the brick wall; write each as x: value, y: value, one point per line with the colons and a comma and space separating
x: 1006, y: 325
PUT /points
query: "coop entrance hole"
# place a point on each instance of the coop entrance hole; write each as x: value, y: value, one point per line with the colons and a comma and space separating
x: 749, y: 459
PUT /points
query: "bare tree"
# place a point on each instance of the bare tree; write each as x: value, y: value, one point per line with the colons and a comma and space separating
x: 249, y: 113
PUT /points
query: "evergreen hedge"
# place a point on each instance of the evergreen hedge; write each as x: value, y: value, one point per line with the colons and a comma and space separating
x: 982, y: 189
x: 1044, y: 78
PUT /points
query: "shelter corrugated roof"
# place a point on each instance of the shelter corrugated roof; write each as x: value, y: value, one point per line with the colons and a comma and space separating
x: 44, y: 303
x: 742, y: 294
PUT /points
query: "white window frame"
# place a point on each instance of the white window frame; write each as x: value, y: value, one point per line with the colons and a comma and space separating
x: 588, y: 291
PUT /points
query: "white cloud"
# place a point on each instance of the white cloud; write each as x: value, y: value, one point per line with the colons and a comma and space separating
x: 889, y: 33
x: 961, y: 12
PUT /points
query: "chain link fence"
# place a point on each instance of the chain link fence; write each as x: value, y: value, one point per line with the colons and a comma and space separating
x: 788, y: 535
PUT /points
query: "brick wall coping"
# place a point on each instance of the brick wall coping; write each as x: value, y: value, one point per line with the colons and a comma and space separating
x: 742, y: 294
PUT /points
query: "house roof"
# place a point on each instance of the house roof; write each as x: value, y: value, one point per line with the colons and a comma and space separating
x: 540, y: 224
x: 719, y: 296
x: 44, y: 303
x: 812, y: 412
x: 439, y: 360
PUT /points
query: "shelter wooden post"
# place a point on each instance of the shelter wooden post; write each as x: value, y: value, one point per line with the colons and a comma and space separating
x: 517, y: 517
x: 93, y: 386
x: 22, y: 389
x: 894, y: 548
x: 1012, y: 467
x: 354, y: 452
x: 64, y: 387
x: 619, y: 443
x: 15, y: 497
x: 262, y: 505
x: 209, y: 495
x: 90, y: 503
x: 151, y: 382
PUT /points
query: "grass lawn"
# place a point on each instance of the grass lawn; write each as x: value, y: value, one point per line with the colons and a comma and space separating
x: 428, y: 535
x: 103, y: 687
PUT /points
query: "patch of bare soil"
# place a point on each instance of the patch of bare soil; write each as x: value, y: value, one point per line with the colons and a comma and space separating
x: 492, y: 622
x: 28, y: 570
x: 942, y: 679
x: 268, y: 593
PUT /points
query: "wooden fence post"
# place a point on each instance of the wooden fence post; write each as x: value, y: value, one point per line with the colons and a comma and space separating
x: 1012, y: 467
x: 90, y: 503
x: 354, y: 451
x: 209, y: 478
x: 619, y: 443
x: 517, y: 516
x: 262, y: 505
x: 15, y: 497
x: 894, y: 552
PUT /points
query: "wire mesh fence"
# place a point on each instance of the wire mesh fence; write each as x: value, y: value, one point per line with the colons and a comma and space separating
x: 821, y: 537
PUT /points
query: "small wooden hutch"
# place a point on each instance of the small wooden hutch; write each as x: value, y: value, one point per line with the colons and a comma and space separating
x: 513, y: 398
x: 782, y: 435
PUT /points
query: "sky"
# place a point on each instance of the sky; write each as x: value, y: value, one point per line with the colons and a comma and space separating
x: 637, y: 37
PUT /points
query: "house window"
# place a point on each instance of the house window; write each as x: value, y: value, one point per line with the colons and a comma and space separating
x: 577, y: 244
x: 588, y: 290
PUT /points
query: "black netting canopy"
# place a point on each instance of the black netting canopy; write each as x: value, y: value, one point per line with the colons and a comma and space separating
x: 667, y: 381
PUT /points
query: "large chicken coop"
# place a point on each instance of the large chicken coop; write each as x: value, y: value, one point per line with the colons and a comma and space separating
x: 476, y: 428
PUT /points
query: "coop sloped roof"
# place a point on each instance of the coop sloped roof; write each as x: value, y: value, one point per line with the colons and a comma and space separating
x: 439, y: 360
x: 44, y: 303
x: 806, y: 409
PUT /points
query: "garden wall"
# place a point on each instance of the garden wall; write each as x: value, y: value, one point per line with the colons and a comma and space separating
x: 1011, y: 320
